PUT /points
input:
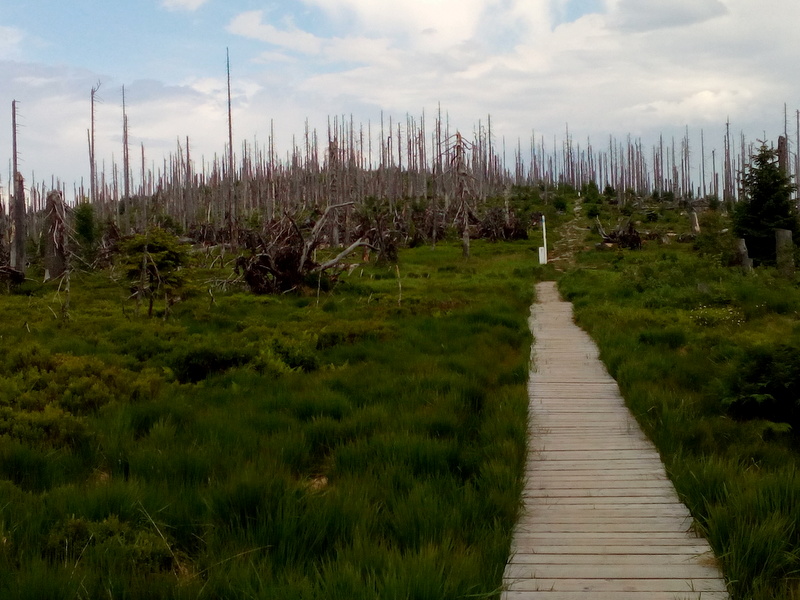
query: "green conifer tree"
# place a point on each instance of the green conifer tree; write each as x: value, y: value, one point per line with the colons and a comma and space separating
x: 766, y: 205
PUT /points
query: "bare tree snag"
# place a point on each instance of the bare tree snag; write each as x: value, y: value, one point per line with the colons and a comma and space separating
x: 783, y: 155
x: 784, y: 249
x: 18, y: 204
x: 695, y: 222
x: 55, y: 237
x: 742, y: 256
x: 18, y: 224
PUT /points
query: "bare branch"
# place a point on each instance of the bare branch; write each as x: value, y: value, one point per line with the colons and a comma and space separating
x: 339, y: 257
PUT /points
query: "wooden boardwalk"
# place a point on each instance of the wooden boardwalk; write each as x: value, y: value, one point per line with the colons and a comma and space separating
x: 601, y: 520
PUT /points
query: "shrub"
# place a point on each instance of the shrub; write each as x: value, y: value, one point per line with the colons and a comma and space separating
x: 197, y: 363
x: 766, y: 385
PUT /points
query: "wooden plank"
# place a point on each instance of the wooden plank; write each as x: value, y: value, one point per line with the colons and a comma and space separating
x: 604, y: 483
x: 608, y: 516
x: 643, y: 550
x: 662, y: 538
x: 601, y: 527
x: 690, y: 571
x: 615, y: 595
x: 597, y: 559
x: 629, y: 584
x: 622, y: 492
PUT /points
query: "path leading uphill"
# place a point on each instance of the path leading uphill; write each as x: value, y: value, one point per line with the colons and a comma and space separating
x: 601, y: 520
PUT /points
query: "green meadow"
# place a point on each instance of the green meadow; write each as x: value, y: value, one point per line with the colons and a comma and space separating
x: 364, y: 439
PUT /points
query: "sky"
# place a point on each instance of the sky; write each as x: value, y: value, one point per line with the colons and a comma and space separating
x: 599, y: 67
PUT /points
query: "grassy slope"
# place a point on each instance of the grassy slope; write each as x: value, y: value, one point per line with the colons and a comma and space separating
x: 358, y: 445
x: 675, y: 329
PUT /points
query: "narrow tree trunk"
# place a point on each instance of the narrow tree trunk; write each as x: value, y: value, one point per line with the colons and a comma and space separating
x: 19, y: 224
x: 784, y: 250
x: 18, y: 206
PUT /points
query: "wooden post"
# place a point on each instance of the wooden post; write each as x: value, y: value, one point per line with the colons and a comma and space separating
x: 543, y: 251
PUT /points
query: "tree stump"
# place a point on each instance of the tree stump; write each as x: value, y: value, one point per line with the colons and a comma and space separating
x: 743, y: 258
x: 55, y: 240
x: 695, y: 223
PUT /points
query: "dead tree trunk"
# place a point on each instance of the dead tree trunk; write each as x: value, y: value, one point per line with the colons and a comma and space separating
x: 783, y: 155
x: 743, y: 257
x: 18, y: 224
x: 461, y: 176
x: 695, y: 222
x: 784, y: 250
x: 55, y: 241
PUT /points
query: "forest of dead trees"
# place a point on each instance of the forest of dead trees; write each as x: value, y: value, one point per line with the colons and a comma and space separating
x: 352, y: 167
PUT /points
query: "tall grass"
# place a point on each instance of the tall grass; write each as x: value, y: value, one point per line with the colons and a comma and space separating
x: 359, y: 445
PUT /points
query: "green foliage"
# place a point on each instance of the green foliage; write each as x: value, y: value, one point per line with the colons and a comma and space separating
x: 85, y: 226
x: 766, y: 384
x: 197, y: 361
x: 715, y: 239
x: 765, y: 206
x: 591, y: 193
x: 153, y: 263
x: 593, y: 212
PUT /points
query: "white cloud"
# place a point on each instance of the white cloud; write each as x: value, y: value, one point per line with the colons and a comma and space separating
x: 250, y: 25
x: 10, y: 42
x: 190, y: 5
x: 647, y: 15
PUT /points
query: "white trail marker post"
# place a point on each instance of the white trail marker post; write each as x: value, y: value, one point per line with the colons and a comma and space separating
x: 543, y: 249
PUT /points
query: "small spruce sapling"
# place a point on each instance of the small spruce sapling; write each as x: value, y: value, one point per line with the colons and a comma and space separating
x: 154, y: 262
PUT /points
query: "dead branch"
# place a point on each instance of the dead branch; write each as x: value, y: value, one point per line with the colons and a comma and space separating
x: 342, y: 255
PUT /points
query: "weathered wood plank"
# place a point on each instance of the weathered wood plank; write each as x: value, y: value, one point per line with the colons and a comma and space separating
x: 573, y: 571
x: 631, y: 561
x: 606, y: 549
x: 615, y: 595
x: 629, y: 584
